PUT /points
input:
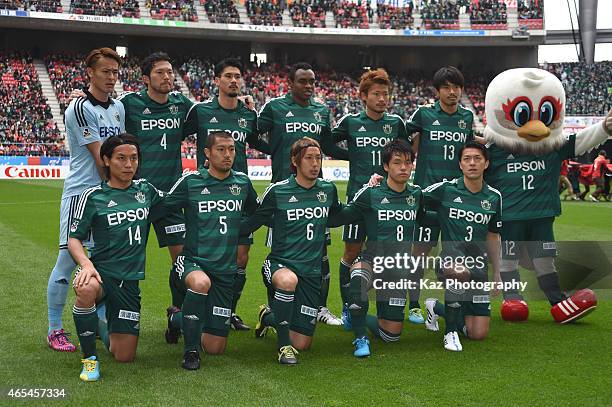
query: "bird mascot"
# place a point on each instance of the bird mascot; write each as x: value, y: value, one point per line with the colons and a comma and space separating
x: 525, y: 109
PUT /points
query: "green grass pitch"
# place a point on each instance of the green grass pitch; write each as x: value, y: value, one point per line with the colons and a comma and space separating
x: 533, y: 363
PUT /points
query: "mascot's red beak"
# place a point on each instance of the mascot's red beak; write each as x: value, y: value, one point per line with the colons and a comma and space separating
x: 533, y: 130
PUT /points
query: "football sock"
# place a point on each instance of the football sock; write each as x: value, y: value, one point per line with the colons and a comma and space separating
x: 57, y: 288
x: 86, y: 323
x: 178, y: 295
x: 176, y: 320
x: 345, y: 278
x: 193, y: 318
x: 103, y: 333
x: 372, y: 324
x: 101, y: 310
x: 508, y: 276
x: 415, y: 293
x: 269, y: 319
x: 549, y: 283
x: 453, y: 314
x: 325, y: 280
x: 439, y: 309
x: 283, y: 310
x: 358, y: 304
x: 239, y: 282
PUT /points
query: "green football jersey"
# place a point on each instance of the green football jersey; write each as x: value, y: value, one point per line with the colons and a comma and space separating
x: 442, y: 135
x: 160, y: 129
x: 285, y: 122
x: 464, y: 217
x: 528, y: 183
x: 298, y: 217
x: 366, y: 139
x: 213, y: 209
x: 208, y: 116
x: 119, y: 222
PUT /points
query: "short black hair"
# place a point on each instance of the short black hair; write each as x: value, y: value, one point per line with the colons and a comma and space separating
x: 211, y: 140
x: 111, y: 143
x: 603, y: 152
x: 476, y: 145
x: 397, y: 146
x: 224, y: 63
x: 295, y: 67
x: 448, y: 74
x: 147, y: 64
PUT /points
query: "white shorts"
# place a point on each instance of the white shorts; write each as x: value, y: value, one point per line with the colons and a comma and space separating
x: 67, y: 209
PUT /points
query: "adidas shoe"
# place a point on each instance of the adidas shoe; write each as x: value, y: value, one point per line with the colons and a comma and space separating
x: 261, y: 329
x: 287, y: 355
x: 362, y: 347
x: 91, y: 370
x: 172, y: 334
x: 415, y: 315
x: 431, y: 323
x: 58, y: 340
x: 327, y: 317
x: 238, y: 324
x: 452, y: 342
x: 191, y: 360
x: 346, y: 318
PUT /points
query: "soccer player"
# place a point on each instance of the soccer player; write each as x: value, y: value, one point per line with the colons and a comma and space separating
x: 116, y: 213
x: 226, y: 112
x: 156, y: 116
x: 366, y: 134
x: 214, y: 200
x: 286, y: 119
x: 443, y: 128
x: 89, y: 121
x: 388, y: 212
x: 298, y: 209
x: 469, y: 213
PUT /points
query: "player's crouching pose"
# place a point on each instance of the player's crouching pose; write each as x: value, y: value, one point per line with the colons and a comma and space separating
x: 468, y: 212
x: 389, y: 213
x: 214, y: 201
x: 117, y: 213
x: 297, y: 208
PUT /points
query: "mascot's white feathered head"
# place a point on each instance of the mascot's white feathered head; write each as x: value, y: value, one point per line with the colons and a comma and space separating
x: 525, y: 108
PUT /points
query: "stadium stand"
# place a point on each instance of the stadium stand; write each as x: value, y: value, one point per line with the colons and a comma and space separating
x: 66, y: 73
x: 351, y: 15
x: 488, y: 15
x: 264, y: 12
x: 26, y: 123
x: 221, y: 11
x: 198, y: 75
x: 440, y: 14
x: 308, y: 13
x: 49, y: 6
x: 182, y: 10
x: 124, y: 8
x: 531, y: 13
x: 130, y: 75
x: 395, y: 18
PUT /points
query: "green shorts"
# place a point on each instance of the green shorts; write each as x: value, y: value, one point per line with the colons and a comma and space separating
x: 306, y: 299
x: 170, y: 230
x: 354, y: 232
x: 390, y: 302
x: 536, y: 235
x: 219, y: 301
x: 480, y: 306
x: 122, y: 299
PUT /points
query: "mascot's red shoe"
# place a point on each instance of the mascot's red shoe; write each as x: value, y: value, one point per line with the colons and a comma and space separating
x: 579, y: 305
x: 514, y: 310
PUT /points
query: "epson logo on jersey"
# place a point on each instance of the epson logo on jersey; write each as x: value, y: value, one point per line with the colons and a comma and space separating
x: 295, y: 127
x: 109, y: 131
x: 398, y: 214
x: 130, y: 215
x: 317, y: 212
x: 469, y: 216
x: 526, y: 166
x: 372, y: 141
x: 221, y: 206
x: 161, y: 124
x: 236, y: 135
x: 448, y: 135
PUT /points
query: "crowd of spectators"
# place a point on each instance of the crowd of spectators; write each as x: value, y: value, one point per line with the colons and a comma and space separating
x: 181, y: 10
x: 396, y: 18
x: 198, y: 74
x: 125, y: 8
x: 351, y: 15
x: 49, y: 6
x: 440, y: 13
x: 489, y: 13
x: 26, y: 124
x: 588, y: 88
x: 264, y: 12
x: 221, y: 11
x: 130, y: 74
x: 308, y: 13
x: 530, y: 9
x: 66, y: 72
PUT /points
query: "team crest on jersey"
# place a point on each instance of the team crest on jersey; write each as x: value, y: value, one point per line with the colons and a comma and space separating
x: 74, y: 226
x: 173, y: 109
x: 140, y: 197
x: 86, y: 133
x: 462, y: 124
x: 235, y: 189
x: 486, y: 205
x: 242, y: 123
x: 117, y: 117
x: 410, y: 200
x: 317, y: 116
x: 322, y: 196
x: 387, y: 128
